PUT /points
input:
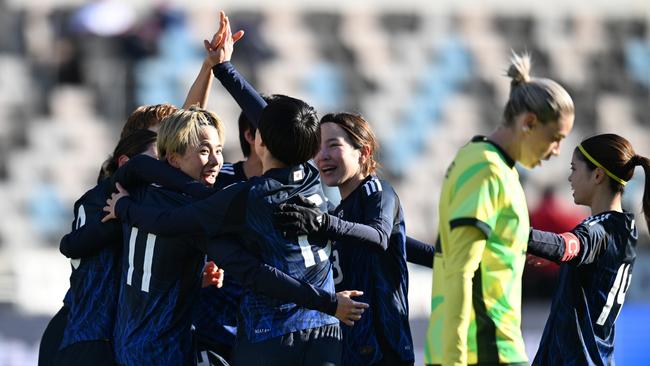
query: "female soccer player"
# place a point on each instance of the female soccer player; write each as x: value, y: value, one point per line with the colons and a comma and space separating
x: 88, y: 313
x: 596, y: 257
x: 484, y: 227
x: 346, y: 160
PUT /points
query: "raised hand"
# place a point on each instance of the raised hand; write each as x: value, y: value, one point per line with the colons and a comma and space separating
x: 221, y: 47
x: 347, y: 310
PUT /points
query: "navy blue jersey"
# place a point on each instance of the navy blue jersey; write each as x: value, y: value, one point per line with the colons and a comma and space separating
x: 303, y: 258
x: 381, y: 274
x: 245, y: 209
x: 215, y: 316
x: 161, y: 277
x: 94, y: 281
x: 230, y: 173
x: 591, y: 291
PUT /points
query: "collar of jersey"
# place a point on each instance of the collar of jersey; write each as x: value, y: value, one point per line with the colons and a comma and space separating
x: 504, y: 155
x: 286, y: 175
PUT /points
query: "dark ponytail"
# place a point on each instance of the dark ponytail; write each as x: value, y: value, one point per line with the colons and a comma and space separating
x: 131, y: 145
x: 645, y: 163
x: 616, y: 154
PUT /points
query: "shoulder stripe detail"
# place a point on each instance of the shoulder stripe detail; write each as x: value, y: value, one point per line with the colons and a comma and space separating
x: 228, y: 172
x: 372, y: 186
x: 596, y: 219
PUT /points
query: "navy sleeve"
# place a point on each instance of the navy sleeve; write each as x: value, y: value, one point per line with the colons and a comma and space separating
x: 365, y: 234
x: 546, y: 245
x: 142, y: 169
x: 266, y: 280
x: 158, y: 221
x: 418, y: 252
x: 222, y: 213
x: 592, y: 238
x: 580, y: 246
x: 249, y: 100
x: 378, y: 216
x: 89, y: 239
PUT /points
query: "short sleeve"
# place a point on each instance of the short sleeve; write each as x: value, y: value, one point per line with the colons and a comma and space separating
x: 474, y: 200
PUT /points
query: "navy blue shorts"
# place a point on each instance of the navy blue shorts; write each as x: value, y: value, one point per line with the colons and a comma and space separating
x: 313, y: 347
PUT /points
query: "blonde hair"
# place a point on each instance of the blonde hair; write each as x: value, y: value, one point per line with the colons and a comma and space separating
x: 545, y: 98
x: 182, y: 129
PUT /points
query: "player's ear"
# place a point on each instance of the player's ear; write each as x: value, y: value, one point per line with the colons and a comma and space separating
x: 364, y: 154
x: 122, y: 160
x: 249, y: 135
x: 173, y: 160
x: 598, y: 175
x: 529, y: 122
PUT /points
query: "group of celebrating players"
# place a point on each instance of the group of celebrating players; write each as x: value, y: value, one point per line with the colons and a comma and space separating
x: 180, y: 259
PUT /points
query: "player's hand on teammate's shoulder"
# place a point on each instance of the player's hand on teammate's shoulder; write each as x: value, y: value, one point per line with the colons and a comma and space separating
x: 111, y: 202
x: 300, y: 218
x: 349, y: 311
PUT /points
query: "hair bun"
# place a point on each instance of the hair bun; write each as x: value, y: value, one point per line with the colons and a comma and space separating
x: 519, y: 70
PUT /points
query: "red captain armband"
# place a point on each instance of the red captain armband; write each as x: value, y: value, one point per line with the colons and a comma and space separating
x: 571, y: 246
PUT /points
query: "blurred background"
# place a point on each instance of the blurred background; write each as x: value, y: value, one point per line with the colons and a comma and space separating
x: 426, y: 75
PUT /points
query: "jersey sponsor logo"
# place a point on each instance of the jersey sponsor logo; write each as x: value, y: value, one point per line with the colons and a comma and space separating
x: 262, y: 330
x: 372, y: 186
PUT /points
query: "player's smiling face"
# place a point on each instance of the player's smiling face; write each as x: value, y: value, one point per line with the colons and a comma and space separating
x: 202, y: 162
x: 338, y: 160
x: 581, y: 180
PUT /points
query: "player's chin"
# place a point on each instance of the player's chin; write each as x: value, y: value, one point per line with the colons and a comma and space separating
x: 329, y: 178
x: 209, y: 179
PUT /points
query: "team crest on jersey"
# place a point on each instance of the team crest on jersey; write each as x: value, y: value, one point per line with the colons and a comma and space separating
x: 372, y: 186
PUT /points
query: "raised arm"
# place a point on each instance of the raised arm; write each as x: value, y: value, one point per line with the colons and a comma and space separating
x: 200, y: 90
x: 221, y: 49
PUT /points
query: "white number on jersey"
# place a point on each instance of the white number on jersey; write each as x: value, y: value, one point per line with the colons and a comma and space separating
x: 617, y: 292
x: 78, y: 223
x: 338, y: 274
x: 148, y: 259
x: 308, y: 254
